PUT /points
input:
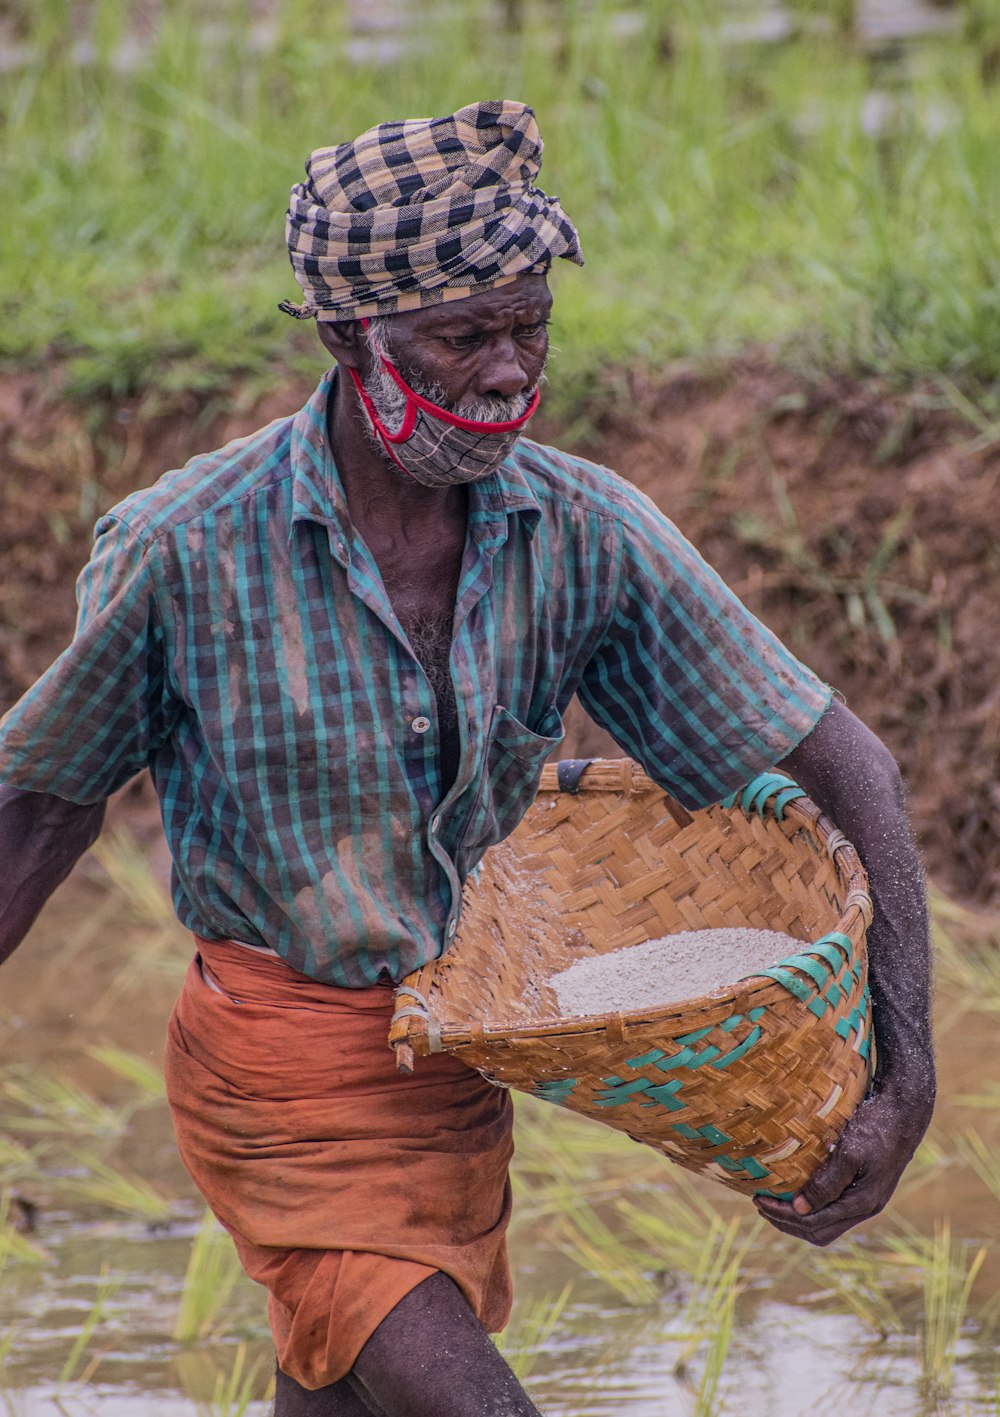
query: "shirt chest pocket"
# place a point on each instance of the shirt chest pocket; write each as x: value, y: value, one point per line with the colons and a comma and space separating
x: 515, y: 756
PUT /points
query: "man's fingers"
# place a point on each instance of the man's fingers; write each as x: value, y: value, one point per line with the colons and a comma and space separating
x: 853, y: 1184
x: 820, y: 1236
x: 840, y: 1171
x: 823, y: 1226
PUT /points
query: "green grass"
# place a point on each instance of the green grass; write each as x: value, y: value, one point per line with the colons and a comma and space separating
x: 235, y: 1390
x: 725, y: 195
x: 213, y: 1271
x: 534, y: 1322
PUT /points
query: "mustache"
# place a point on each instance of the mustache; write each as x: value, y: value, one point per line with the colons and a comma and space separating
x: 390, y: 400
x: 495, y: 410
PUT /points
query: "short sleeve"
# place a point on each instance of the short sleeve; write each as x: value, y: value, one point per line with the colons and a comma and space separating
x: 685, y: 678
x: 95, y: 718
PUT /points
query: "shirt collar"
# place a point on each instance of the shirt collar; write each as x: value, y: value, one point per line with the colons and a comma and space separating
x: 318, y: 493
x: 505, y: 492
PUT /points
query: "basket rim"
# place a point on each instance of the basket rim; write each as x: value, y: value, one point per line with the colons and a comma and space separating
x: 413, y: 1027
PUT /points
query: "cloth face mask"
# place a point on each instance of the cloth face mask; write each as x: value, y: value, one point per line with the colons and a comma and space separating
x: 434, y: 446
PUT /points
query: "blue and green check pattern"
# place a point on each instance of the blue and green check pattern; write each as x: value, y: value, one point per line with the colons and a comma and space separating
x: 235, y: 637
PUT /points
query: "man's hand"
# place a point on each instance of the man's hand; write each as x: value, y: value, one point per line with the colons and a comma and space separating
x: 859, y: 1176
x: 41, y: 838
x: 851, y: 776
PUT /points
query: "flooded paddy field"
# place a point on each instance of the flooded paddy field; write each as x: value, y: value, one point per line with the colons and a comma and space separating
x: 639, y: 1290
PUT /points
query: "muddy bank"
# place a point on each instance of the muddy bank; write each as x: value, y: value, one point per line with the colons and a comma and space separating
x: 861, y: 524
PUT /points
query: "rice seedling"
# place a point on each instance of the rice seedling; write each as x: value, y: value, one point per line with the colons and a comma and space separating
x: 994, y: 1397
x: 17, y: 1162
x: 561, y: 1159
x: 944, y: 1273
x: 982, y: 1158
x: 236, y: 1390
x: 165, y: 948
x: 140, y: 1072
x: 213, y: 1270
x: 929, y: 1161
x: 854, y: 1279
x: 682, y: 1230
x: 99, y: 1311
x: 714, y: 1285
x: 719, y: 1329
x: 50, y: 1103
x: 6, y: 1344
x: 532, y: 1325
x: 17, y: 1249
x: 681, y: 1237
x: 967, y: 953
x: 669, y: 1236
x: 585, y: 1237
x: 948, y: 1281
x: 879, y: 1288
x: 126, y: 864
x: 119, y: 1189
x: 986, y: 1098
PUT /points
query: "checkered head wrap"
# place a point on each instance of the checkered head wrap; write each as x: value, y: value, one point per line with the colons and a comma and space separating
x: 422, y: 211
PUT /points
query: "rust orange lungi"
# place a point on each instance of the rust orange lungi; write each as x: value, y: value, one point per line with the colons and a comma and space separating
x: 343, y: 1183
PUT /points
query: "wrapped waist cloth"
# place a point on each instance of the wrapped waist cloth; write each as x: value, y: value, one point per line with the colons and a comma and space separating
x: 343, y: 1183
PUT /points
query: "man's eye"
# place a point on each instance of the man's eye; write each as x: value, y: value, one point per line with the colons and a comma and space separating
x: 462, y: 341
x: 531, y: 331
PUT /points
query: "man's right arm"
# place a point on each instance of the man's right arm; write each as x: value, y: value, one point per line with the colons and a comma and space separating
x: 95, y: 718
x: 41, y: 839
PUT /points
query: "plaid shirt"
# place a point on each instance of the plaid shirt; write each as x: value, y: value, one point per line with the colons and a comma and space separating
x: 235, y: 636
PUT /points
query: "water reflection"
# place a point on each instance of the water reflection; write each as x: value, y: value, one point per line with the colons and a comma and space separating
x: 622, y: 1348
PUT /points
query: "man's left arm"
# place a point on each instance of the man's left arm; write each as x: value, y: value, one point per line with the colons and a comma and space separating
x: 853, y: 779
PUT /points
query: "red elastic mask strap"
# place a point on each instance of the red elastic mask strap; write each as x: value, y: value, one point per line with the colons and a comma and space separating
x: 387, y: 438
x: 434, y: 410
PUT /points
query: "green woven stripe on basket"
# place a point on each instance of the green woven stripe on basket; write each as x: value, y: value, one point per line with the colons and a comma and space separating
x: 843, y: 942
x: 754, y: 797
x: 856, y: 1022
x: 554, y: 1091
x: 619, y: 1092
x: 724, y: 1061
x: 789, y: 981
x: 734, y: 1020
x: 695, y: 1037
x: 706, y: 1133
x: 746, y: 1164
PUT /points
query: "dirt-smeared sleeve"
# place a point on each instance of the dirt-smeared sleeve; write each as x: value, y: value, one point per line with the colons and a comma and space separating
x: 94, y: 719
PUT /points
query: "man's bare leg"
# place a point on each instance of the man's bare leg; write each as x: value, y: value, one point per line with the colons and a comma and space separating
x: 343, y: 1399
x: 430, y: 1357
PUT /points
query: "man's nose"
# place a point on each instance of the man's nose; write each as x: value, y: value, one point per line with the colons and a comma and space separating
x: 503, y: 374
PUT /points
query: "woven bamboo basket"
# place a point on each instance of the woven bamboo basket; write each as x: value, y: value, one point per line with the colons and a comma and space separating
x: 750, y: 1084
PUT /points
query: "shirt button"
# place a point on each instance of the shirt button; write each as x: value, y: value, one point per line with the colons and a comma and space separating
x: 420, y: 724
x: 452, y: 927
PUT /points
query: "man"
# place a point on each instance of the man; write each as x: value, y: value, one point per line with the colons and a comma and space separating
x: 343, y: 646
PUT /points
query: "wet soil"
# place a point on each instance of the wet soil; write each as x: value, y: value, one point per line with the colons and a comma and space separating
x: 859, y: 522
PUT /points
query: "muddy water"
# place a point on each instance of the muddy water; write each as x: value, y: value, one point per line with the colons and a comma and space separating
x: 91, y: 974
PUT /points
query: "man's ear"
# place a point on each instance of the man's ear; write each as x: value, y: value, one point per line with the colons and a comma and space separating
x: 345, y: 340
